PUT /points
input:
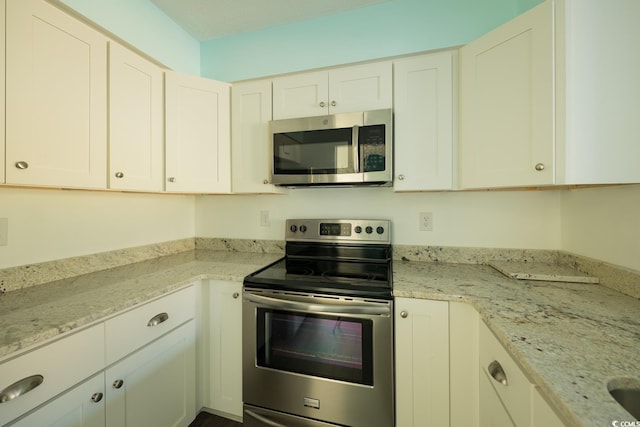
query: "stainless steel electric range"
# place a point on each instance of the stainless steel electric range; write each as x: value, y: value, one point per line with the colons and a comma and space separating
x: 318, y: 329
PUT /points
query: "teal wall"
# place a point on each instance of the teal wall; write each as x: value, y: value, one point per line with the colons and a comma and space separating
x: 143, y: 25
x: 393, y: 28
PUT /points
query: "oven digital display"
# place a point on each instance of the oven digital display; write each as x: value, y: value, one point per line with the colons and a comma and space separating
x: 335, y: 229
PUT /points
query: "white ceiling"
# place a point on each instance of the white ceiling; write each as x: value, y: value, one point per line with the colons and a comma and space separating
x: 209, y: 19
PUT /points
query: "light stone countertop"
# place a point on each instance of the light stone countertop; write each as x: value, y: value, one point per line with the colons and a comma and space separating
x: 569, y: 338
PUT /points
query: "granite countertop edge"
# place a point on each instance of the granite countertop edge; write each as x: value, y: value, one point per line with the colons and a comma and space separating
x: 531, y: 319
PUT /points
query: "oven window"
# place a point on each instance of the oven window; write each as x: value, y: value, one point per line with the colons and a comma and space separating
x: 334, y: 347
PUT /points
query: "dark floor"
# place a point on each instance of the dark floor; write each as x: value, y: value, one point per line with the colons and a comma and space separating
x: 209, y: 420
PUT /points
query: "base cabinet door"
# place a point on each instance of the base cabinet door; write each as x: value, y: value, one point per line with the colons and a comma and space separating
x: 82, y: 406
x: 422, y: 362
x: 155, y: 386
x: 225, y: 347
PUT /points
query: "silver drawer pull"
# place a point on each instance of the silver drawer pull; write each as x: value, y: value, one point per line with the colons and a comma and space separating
x: 157, y: 319
x: 496, y: 371
x: 117, y: 384
x: 21, y: 387
x: 22, y: 165
x: 96, y: 397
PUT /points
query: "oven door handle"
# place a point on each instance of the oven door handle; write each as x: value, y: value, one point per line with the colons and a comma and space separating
x: 283, y: 304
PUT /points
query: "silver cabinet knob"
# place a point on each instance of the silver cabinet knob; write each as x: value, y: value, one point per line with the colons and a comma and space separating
x: 22, y: 165
x: 540, y: 167
x: 236, y: 295
x: 171, y: 179
x: 404, y: 314
x: 498, y: 374
x: 401, y: 177
x: 119, y: 175
x: 118, y: 384
x: 96, y: 397
x: 334, y: 103
x: 265, y: 181
x: 323, y: 104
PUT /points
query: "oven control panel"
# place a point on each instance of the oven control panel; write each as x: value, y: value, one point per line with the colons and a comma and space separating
x: 339, y: 230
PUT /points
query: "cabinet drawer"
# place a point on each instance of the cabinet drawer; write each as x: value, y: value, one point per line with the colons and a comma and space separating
x: 136, y: 328
x: 516, y: 394
x: 61, y: 365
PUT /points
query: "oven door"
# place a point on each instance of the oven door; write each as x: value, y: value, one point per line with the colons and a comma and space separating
x: 327, y: 358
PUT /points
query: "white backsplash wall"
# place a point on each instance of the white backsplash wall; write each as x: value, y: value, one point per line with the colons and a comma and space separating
x: 46, y: 225
x: 603, y: 223
x: 496, y: 219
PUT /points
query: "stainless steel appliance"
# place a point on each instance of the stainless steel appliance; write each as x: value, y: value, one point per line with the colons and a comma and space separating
x: 350, y: 148
x: 318, y: 329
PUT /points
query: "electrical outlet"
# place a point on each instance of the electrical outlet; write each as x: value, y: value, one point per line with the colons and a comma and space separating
x: 4, y: 231
x: 265, y: 220
x: 425, y: 221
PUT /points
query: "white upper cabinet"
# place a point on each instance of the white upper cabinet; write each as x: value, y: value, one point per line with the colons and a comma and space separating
x: 424, y: 122
x: 250, y: 115
x: 537, y: 108
x: 506, y: 104
x: 340, y: 90
x: 198, y: 151
x: 56, y: 98
x: 136, y: 119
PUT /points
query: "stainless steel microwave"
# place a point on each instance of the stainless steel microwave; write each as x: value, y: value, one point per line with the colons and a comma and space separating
x: 349, y: 148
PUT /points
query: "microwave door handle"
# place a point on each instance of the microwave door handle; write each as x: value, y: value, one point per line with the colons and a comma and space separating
x: 355, y: 137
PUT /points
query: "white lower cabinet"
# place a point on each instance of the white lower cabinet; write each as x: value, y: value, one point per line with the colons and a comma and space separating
x: 507, y: 396
x: 82, y: 406
x: 136, y: 369
x: 50, y: 369
x: 154, y: 386
x: 224, y: 348
x: 422, y: 362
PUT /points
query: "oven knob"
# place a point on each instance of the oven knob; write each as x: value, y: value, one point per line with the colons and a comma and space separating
x: 380, y: 230
x: 369, y: 230
x: 358, y: 229
x: 303, y: 228
x: 293, y: 228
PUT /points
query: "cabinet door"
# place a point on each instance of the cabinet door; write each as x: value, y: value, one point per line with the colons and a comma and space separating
x: 82, y: 406
x: 506, y: 104
x: 422, y: 362
x: 423, y: 118
x: 301, y: 95
x: 56, y: 106
x: 198, y: 152
x: 225, y: 352
x: 136, y: 131
x: 250, y: 115
x: 155, y: 386
x: 492, y: 412
x: 361, y: 88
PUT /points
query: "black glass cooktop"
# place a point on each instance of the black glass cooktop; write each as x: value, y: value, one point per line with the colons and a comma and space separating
x: 352, y: 270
